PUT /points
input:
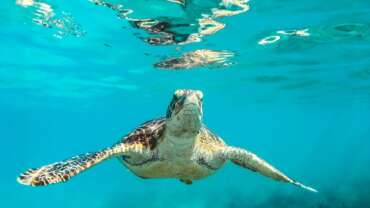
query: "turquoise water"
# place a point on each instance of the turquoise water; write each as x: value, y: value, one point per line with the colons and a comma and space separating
x: 288, y: 80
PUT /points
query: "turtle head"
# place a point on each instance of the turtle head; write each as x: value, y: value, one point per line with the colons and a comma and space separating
x: 184, y: 114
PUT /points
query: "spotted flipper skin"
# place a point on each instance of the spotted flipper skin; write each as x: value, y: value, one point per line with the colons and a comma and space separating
x: 64, y: 170
x: 252, y: 162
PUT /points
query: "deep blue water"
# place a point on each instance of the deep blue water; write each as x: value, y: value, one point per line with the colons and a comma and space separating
x: 291, y: 83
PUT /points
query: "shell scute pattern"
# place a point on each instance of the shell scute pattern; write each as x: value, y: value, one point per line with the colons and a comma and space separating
x: 208, y: 149
x: 207, y: 136
x: 147, y: 134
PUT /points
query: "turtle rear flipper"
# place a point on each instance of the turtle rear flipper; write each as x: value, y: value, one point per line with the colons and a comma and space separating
x: 64, y: 170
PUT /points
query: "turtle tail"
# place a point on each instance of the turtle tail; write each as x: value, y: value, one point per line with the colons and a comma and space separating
x: 63, y: 170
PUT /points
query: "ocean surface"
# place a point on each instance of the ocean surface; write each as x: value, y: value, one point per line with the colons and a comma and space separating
x: 287, y: 80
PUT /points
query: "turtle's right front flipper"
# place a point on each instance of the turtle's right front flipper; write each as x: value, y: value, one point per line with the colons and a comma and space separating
x: 251, y: 161
x: 64, y: 170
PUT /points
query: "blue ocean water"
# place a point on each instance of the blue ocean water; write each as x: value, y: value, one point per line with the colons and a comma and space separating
x: 288, y: 80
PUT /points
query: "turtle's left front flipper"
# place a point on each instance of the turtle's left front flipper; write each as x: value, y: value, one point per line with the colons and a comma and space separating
x: 64, y: 170
x: 251, y: 161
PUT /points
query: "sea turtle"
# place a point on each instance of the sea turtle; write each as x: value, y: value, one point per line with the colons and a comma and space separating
x: 177, y: 146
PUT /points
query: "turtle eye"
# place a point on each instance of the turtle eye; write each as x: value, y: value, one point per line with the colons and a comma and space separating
x: 199, y: 95
x: 179, y: 93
